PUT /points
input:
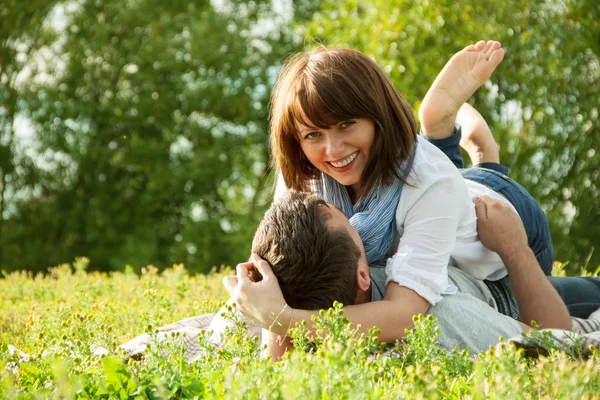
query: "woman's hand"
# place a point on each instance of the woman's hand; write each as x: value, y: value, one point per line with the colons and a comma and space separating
x: 261, y: 302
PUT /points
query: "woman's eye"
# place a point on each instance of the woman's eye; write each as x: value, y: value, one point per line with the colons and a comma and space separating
x: 346, y: 124
x: 311, y: 135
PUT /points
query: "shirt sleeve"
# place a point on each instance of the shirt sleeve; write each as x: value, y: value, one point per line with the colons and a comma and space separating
x: 428, y: 238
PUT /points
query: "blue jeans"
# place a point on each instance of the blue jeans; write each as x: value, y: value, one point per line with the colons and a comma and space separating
x: 580, y: 294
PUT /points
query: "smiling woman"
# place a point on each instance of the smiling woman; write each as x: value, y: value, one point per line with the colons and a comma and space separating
x: 328, y: 94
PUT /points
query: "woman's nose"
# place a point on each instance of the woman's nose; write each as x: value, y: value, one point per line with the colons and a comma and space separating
x: 335, y: 147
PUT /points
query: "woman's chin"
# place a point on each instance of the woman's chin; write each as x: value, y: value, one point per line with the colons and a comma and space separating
x: 345, y: 180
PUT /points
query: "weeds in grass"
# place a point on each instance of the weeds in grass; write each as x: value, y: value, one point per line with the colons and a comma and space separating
x: 60, y: 318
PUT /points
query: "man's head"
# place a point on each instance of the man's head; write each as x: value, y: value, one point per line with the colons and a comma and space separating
x: 313, y: 250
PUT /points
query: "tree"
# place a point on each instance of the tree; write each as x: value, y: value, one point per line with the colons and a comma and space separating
x: 21, y: 33
x: 151, y: 135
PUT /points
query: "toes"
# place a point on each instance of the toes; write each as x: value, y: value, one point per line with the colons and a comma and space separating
x: 493, y: 47
x: 479, y: 45
x: 487, y: 46
x: 497, y: 56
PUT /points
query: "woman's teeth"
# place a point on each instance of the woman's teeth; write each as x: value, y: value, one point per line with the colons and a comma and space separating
x: 345, y: 162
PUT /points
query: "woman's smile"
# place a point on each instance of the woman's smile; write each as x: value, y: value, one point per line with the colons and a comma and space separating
x: 345, y: 162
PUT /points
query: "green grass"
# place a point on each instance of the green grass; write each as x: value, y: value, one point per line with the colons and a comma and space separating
x: 58, y: 318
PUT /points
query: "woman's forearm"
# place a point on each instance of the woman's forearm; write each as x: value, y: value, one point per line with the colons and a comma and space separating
x: 276, y: 345
x: 263, y: 304
x: 393, y: 315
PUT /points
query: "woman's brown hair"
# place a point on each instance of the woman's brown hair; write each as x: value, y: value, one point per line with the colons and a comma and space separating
x: 322, y: 87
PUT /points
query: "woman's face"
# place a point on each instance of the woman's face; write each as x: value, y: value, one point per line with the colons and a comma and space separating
x: 341, y: 151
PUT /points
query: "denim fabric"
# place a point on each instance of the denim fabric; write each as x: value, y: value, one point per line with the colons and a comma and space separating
x: 581, y: 294
x: 450, y: 146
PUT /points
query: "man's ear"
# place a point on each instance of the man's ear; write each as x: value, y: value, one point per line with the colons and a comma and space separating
x: 363, y: 279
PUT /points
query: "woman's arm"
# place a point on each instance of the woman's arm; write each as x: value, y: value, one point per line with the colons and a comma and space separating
x: 428, y: 235
x: 276, y: 345
x: 263, y: 303
x: 393, y: 315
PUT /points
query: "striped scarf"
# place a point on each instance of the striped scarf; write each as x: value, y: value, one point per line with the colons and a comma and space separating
x: 374, y: 215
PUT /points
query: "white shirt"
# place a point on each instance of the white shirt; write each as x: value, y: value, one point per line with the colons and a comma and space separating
x: 437, y: 227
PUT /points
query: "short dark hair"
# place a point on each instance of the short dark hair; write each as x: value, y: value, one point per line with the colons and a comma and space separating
x: 322, y: 87
x: 314, y: 265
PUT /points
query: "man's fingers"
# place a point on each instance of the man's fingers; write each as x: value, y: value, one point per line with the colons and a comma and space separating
x: 487, y: 199
x: 230, y: 282
x: 480, y: 208
x: 242, y: 271
x: 262, y: 266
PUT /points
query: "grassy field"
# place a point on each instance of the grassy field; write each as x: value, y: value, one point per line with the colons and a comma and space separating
x: 59, y: 318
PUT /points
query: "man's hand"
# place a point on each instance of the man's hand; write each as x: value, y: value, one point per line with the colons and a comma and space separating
x: 261, y: 302
x: 500, y: 228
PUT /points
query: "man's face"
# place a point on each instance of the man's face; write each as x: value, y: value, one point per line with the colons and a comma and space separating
x: 333, y: 218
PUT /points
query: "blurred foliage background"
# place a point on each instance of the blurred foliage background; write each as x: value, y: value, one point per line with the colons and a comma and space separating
x: 135, y: 132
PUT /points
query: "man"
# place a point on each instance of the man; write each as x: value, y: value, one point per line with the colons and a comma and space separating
x: 317, y: 258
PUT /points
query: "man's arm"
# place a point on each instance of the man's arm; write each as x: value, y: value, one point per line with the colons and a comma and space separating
x: 501, y: 230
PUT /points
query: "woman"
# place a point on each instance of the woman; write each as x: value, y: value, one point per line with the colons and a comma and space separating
x: 340, y: 129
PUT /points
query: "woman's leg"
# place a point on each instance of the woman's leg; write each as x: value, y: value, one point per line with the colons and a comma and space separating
x: 580, y: 294
x: 472, y: 133
x: 476, y: 138
x: 462, y: 75
x: 478, y: 141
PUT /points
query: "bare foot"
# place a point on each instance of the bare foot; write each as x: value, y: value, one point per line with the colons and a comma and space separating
x: 477, y: 138
x: 466, y: 71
